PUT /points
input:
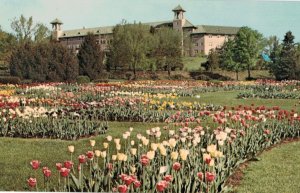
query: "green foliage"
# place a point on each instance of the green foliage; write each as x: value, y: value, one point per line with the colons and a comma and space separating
x: 7, y: 44
x: 82, y: 79
x: 43, y: 62
x: 90, y: 58
x: 130, y: 46
x: 10, y: 80
x: 167, y: 49
x: 285, y: 68
x: 213, y: 60
x: 25, y: 30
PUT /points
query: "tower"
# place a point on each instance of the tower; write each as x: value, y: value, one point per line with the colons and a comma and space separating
x: 179, y: 20
x: 56, y: 29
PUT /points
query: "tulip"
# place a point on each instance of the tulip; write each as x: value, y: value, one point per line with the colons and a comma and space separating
x: 209, y: 176
x: 133, y: 151
x: 32, y: 182
x: 172, y: 142
x: 105, y: 145
x: 68, y: 164
x: 90, y: 154
x: 47, y: 172
x: 153, y: 146
x: 150, y: 154
x: 97, y: 153
x: 64, y: 172
x: 92, y: 143
x: 176, y: 166
x: 122, y: 188
x: 109, y: 166
x: 168, y: 178
x: 183, y: 153
x: 71, y: 148
x: 109, y: 138
x: 200, y: 176
x: 137, y: 184
x: 144, y: 160
x: 174, y: 155
x: 161, y: 186
x: 114, y: 157
x: 128, y: 180
x: 82, y: 159
x: 58, y: 166
x: 117, y: 141
x: 35, y: 164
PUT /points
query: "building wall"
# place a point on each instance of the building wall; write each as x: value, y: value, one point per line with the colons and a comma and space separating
x: 214, y: 41
x: 73, y: 43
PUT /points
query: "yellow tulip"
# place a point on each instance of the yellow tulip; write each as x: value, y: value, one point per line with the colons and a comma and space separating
x: 174, y: 155
x: 71, y: 148
x: 92, y: 143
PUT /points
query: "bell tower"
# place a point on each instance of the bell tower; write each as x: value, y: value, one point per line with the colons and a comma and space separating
x: 56, y: 29
x: 179, y: 20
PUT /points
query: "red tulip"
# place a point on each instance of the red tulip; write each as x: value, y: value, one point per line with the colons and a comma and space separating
x: 161, y: 186
x: 209, y: 176
x: 58, y: 166
x: 176, y: 166
x: 81, y: 159
x: 64, y: 172
x: 168, y: 178
x: 31, y: 182
x: 200, y: 175
x: 207, y: 160
x: 137, y: 184
x: 46, y: 172
x: 267, y: 131
x: 144, y: 160
x: 123, y: 176
x: 90, y: 154
x: 68, y: 164
x: 109, y: 166
x: 122, y: 188
x: 128, y: 180
x: 35, y: 164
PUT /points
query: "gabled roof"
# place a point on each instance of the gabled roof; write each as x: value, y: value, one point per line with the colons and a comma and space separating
x: 213, y: 29
x: 188, y: 24
x: 178, y: 8
x: 104, y: 30
x: 85, y: 31
x: 56, y: 21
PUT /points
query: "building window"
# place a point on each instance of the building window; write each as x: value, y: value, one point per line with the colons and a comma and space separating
x: 210, y: 36
x: 218, y: 36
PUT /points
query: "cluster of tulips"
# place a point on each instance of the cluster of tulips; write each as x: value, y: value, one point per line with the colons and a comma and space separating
x: 194, y: 152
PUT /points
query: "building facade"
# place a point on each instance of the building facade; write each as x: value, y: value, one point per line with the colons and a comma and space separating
x: 202, y: 38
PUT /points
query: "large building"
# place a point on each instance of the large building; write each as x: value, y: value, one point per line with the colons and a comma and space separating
x: 202, y: 38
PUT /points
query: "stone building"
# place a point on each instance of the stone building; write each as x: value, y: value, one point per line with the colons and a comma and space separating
x: 202, y: 38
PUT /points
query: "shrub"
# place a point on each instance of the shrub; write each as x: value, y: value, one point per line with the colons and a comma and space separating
x: 177, y: 77
x: 10, y: 80
x: 82, y: 79
x: 129, y: 76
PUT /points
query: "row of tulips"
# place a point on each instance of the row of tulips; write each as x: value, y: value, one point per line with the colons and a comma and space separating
x: 191, y: 157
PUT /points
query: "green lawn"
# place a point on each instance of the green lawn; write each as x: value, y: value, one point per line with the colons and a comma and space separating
x: 193, y: 63
x: 228, y: 98
x: 16, y: 153
x: 278, y: 171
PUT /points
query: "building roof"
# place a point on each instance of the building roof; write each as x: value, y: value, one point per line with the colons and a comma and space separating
x: 104, y: 30
x: 56, y: 21
x: 178, y: 8
x: 188, y: 24
x: 213, y: 29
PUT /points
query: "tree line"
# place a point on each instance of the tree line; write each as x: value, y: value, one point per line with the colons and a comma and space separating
x: 32, y: 55
x: 245, y: 52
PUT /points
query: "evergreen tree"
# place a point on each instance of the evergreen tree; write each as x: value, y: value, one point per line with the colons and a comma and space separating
x: 275, y: 49
x: 285, y: 69
x: 213, y: 59
x: 90, y: 58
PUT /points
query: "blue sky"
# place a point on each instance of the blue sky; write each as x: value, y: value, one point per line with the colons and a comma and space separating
x: 268, y: 17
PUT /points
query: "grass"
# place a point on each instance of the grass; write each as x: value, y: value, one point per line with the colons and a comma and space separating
x: 228, y: 98
x: 278, y: 171
x: 17, y: 153
x: 193, y: 63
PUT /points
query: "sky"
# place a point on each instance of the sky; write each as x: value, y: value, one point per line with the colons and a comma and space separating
x: 268, y: 17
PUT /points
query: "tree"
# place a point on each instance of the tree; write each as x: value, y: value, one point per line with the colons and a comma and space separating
x: 228, y: 59
x: 285, y: 69
x: 213, y: 59
x: 167, y: 49
x: 248, y: 46
x: 43, y: 62
x: 130, y: 46
x: 7, y: 44
x: 275, y: 49
x: 25, y: 30
x: 90, y: 58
